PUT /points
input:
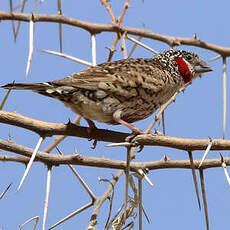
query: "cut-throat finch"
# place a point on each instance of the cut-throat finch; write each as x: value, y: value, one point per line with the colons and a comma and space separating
x: 124, y: 91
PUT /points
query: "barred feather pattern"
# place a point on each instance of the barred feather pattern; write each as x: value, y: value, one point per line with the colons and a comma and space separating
x: 137, y: 86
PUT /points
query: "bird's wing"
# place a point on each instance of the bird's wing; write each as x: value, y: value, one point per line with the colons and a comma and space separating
x: 122, y: 74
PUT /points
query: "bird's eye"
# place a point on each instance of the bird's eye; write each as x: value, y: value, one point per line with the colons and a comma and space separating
x: 189, y: 57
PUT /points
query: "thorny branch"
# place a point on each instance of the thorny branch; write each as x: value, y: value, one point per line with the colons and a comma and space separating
x: 95, y: 28
x: 56, y: 160
x: 47, y: 129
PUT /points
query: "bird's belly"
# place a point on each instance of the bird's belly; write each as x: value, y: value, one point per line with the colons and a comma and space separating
x: 93, y: 111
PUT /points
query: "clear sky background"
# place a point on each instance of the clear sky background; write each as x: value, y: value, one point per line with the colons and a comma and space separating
x: 197, y: 113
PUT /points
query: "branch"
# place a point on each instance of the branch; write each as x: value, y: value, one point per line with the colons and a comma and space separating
x: 94, y: 28
x: 56, y: 160
x: 46, y: 129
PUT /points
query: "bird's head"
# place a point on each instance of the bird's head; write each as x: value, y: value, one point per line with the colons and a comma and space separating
x: 188, y: 64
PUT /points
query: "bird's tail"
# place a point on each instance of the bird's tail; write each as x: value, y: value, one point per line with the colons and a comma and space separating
x: 49, y: 89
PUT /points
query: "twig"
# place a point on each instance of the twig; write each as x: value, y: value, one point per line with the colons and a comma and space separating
x: 5, y: 191
x: 110, y: 203
x: 48, y: 182
x: 60, y: 25
x: 36, y: 218
x: 128, y: 159
x: 163, y: 122
x: 88, y: 190
x: 30, y: 162
x: 67, y: 57
x: 140, y: 202
x: 5, y: 98
x: 126, y: 6
x: 113, y: 48
x: 118, y: 22
x: 100, y: 200
x: 194, y: 178
x: 72, y: 214
x: 108, y: 8
x: 123, y: 46
x: 19, y: 22
x: 204, y: 198
x: 13, y: 23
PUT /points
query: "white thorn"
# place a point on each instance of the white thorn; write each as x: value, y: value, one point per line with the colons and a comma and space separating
x: 30, y: 162
x: 124, y: 144
x: 31, y: 46
x: 206, y: 153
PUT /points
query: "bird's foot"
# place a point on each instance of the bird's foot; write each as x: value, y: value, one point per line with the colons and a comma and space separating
x: 136, y: 132
x: 90, y: 129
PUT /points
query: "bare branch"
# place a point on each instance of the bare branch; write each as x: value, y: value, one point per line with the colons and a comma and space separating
x: 204, y: 198
x: 95, y: 28
x: 194, y: 178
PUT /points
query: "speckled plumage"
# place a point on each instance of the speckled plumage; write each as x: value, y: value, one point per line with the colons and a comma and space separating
x: 135, y: 87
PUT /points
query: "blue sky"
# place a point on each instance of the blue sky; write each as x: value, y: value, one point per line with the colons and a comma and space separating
x: 197, y: 113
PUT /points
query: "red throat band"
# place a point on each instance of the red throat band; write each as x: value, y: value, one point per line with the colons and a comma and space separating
x: 183, y: 69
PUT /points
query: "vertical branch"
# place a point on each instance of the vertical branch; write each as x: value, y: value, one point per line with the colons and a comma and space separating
x: 13, y: 24
x: 108, y: 8
x: 126, y: 6
x: 93, y: 45
x: 224, y: 95
x: 204, y: 198
x: 48, y: 182
x: 140, y: 201
x: 123, y: 45
x: 194, y: 178
x: 163, y: 122
x: 60, y: 25
x: 5, y: 98
x: 19, y: 22
x: 5, y: 191
x: 127, y: 180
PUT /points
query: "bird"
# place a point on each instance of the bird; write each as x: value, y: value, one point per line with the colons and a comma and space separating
x: 123, y: 91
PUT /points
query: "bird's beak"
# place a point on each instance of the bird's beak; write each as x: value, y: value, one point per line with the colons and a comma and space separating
x: 202, y: 67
